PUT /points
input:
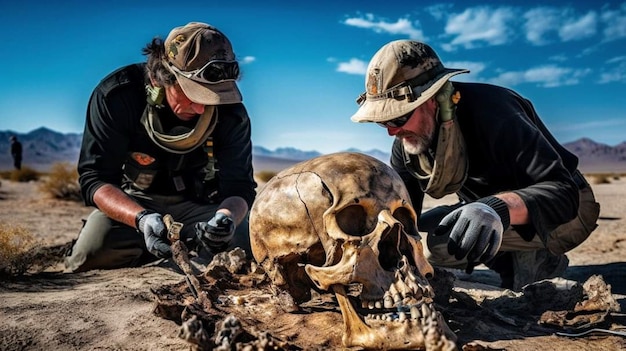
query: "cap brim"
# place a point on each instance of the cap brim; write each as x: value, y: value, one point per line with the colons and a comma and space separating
x: 387, y: 109
x: 210, y: 94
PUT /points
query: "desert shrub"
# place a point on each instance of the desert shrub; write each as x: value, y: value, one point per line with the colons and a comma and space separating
x: 600, y: 178
x: 265, y: 176
x: 16, y: 248
x: 25, y: 174
x: 21, y: 253
x: 62, y: 182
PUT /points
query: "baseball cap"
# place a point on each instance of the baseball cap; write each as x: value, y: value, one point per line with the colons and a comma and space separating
x: 402, y: 75
x: 202, y: 59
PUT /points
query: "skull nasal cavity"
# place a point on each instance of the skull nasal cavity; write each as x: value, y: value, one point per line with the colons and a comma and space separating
x: 353, y: 220
x: 389, y: 257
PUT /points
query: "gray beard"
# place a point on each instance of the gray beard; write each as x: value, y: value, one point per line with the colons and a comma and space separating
x: 415, y: 146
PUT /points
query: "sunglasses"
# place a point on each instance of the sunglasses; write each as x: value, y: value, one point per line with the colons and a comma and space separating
x: 396, y: 122
x: 215, y: 71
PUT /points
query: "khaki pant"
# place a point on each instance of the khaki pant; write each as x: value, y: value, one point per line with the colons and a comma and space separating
x: 563, y: 239
x: 107, y: 244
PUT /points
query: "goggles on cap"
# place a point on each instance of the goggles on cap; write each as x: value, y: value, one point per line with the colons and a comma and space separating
x: 396, y: 122
x: 215, y: 71
x: 411, y: 89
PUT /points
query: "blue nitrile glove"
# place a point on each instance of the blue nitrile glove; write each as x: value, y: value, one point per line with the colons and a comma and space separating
x: 475, y: 230
x: 151, y: 225
x: 216, y: 234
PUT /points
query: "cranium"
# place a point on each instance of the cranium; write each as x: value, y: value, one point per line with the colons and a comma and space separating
x: 344, y: 222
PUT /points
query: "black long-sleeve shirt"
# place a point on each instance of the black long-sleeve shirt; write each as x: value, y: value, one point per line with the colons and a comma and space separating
x: 113, y: 130
x: 508, y: 149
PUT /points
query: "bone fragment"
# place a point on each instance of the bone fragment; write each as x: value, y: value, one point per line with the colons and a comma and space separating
x: 180, y: 255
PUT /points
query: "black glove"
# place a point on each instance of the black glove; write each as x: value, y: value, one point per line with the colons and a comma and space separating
x: 216, y: 234
x: 429, y: 220
x: 475, y: 230
x: 151, y: 225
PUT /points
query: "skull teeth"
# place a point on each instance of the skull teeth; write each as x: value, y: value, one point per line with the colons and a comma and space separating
x: 409, y: 297
x: 421, y: 313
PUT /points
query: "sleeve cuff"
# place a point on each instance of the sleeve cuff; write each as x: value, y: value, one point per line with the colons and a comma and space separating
x: 500, y: 207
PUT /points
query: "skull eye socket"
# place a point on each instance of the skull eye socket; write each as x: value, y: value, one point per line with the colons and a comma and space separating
x: 353, y: 220
x: 404, y: 216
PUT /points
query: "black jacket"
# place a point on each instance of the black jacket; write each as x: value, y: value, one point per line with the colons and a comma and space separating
x: 113, y: 130
x: 508, y: 149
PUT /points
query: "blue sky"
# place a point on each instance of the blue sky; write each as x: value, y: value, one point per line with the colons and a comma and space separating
x: 303, y: 64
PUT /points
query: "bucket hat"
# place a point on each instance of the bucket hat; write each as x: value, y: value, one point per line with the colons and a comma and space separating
x: 402, y: 75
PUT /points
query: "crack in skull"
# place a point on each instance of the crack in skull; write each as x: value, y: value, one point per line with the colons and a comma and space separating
x: 342, y: 221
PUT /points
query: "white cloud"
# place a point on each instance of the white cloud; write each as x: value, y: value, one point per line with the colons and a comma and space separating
x: 548, y: 76
x: 615, y: 23
x: 579, y: 28
x: 439, y: 11
x: 616, y: 73
x: 402, y: 26
x: 543, y: 21
x: 589, y: 125
x: 247, y: 59
x: 477, y: 26
x: 354, y: 66
x: 619, y: 59
x: 539, y: 21
x: 558, y: 58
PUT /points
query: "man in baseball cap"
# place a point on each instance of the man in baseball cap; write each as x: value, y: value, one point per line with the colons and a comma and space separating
x: 202, y: 59
x: 170, y: 136
x: 522, y: 202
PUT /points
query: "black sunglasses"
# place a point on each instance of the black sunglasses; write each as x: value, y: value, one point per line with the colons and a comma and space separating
x: 215, y: 71
x: 396, y: 122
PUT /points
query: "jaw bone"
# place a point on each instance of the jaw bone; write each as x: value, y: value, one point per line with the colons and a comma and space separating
x: 403, y: 319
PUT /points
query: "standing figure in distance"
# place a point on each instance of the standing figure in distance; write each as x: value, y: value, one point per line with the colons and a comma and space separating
x: 16, y: 152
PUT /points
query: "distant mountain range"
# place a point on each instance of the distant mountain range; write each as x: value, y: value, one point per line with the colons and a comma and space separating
x: 44, y: 147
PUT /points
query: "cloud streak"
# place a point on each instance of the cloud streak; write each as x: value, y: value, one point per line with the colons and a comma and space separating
x: 548, y: 76
x: 480, y: 26
x: 354, y: 66
x: 402, y: 26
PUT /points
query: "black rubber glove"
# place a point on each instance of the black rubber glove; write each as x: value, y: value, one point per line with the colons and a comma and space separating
x: 216, y: 234
x: 151, y: 225
x: 430, y: 219
x: 475, y: 230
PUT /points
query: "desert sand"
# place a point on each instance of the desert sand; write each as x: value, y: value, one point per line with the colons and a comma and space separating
x: 113, y: 310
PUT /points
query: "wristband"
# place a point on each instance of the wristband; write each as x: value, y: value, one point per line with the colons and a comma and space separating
x: 140, y: 215
x: 500, y: 207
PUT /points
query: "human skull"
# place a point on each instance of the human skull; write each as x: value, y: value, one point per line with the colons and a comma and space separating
x: 344, y: 222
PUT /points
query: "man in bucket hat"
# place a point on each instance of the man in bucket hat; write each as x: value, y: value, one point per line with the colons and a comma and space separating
x: 523, y: 203
x: 169, y: 136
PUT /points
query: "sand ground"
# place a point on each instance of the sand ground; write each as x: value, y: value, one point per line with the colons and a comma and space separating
x: 112, y: 310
